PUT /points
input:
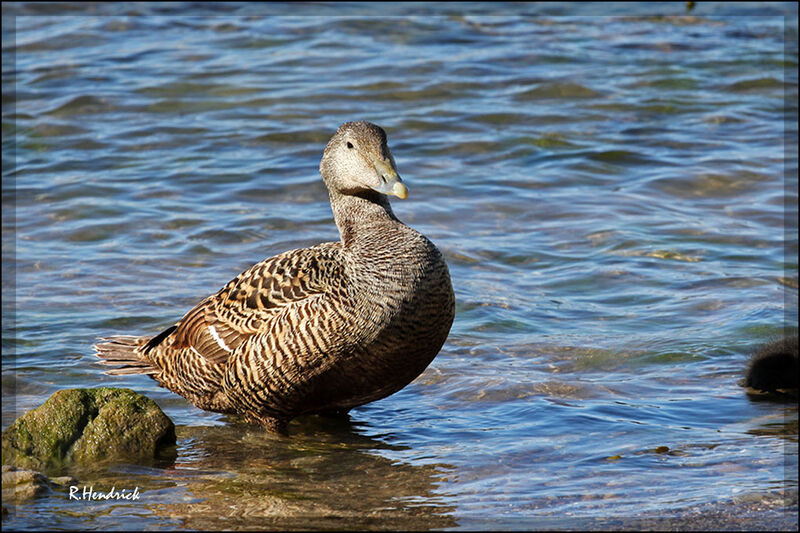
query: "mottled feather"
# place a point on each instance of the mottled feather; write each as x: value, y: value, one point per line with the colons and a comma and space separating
x: 246, y: 305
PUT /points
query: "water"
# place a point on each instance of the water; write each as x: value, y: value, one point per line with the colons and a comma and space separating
x: 615, y: 194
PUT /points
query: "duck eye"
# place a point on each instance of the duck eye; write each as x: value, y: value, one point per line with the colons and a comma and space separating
x: 349, y: 144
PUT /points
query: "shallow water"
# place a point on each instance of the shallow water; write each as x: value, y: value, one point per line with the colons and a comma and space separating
x: 615, y: 194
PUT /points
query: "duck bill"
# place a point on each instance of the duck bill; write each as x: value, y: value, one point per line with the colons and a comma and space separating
x: 390, y: 182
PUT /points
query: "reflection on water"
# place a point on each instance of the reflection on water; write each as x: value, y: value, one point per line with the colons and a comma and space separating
x: 615, y: 195
x: 325, y: 476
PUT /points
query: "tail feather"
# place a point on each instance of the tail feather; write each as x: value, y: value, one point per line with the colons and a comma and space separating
x: 122, y: 351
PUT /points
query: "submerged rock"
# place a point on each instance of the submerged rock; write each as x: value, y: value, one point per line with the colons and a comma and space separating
x: 87, y: 426
x: 774, y: 366
x: 20, y: 484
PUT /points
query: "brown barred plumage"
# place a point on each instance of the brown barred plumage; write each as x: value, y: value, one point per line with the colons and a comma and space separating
x: 320, y: 329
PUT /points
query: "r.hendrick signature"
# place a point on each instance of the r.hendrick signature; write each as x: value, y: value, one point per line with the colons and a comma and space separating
x: 90, y: 494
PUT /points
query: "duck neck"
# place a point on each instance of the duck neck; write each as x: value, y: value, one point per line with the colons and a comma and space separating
x: 362, y: 216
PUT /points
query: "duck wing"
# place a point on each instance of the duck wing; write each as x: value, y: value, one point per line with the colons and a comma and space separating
x: 251, y: 302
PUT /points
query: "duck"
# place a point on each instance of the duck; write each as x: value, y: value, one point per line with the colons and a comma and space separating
x: 317, y: 330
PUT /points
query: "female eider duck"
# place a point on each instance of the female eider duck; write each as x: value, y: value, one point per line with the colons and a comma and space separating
x: 313, y: 330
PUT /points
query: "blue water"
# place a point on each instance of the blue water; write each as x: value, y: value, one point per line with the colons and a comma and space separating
x: 615, y: 193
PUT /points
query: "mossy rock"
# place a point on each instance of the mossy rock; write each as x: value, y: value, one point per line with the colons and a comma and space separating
x: 85, y: 427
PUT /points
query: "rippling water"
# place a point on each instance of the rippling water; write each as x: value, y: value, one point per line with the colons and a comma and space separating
x: 616, y: 196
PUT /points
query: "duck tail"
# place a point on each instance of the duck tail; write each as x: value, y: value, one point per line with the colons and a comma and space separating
x: 124, y: 352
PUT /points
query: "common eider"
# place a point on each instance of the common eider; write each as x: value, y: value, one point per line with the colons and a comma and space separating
x: 312, y: 330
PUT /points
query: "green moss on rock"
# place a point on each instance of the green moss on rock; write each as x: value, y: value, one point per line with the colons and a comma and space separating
x: 86, y: 426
